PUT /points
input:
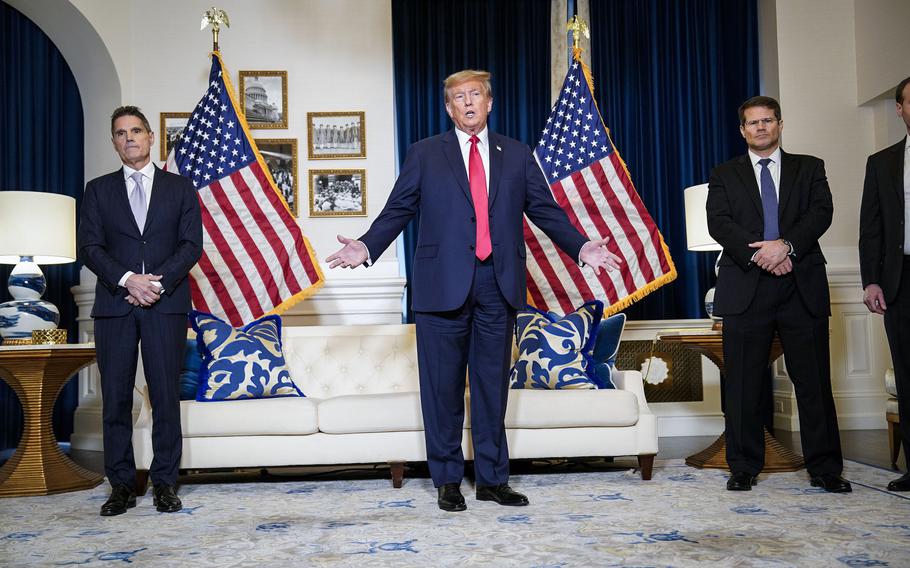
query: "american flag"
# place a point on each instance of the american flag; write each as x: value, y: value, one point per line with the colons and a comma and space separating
x: 255, y: 259
x: 591, y: 183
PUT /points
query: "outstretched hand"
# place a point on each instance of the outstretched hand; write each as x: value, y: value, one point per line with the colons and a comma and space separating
x: 596, y: 254
x: 351, y: 255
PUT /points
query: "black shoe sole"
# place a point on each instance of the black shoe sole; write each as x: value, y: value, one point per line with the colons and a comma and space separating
x: 746, y: 488
x: 129, y: 505
x: 452, y: 508
x: 162, y: 509
x: 504, y: 504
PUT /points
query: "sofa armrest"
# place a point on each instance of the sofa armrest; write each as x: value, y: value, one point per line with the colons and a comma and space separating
x: 631, y: 381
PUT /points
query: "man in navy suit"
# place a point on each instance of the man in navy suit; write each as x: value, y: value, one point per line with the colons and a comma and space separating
x: 768, y: 209
x: 140, y: 232
x: 884, y: 258
x: 471, y: 188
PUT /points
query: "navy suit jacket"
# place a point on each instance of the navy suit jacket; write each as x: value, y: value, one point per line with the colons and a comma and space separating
x: 433, y: 183
x: 735, y: 219
x: 881, y: 220
x: 110, y: 243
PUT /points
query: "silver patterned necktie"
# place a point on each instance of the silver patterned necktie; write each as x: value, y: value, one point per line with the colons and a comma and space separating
x: 137, y: 201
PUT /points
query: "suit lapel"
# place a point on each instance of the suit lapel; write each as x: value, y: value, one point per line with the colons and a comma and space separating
x: 495, y: 167
x: 747, y: 175
x: 452, y: 153
x: 788, y: 167
x: 156, y: 199
x: 897, y: 170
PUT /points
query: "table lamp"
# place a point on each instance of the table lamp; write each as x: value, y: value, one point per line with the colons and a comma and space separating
x: 697, y: 236
x: 35, y: 228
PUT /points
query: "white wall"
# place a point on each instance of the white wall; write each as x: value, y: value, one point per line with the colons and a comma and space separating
x: 882, y: 45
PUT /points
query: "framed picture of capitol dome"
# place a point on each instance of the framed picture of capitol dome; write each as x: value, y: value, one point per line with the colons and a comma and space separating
x: 264, y: 98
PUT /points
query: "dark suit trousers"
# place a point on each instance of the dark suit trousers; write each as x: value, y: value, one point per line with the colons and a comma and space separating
x: 163, y: 338
x: 747, y: 338
x: 478, y: 335
x: 897, y: 326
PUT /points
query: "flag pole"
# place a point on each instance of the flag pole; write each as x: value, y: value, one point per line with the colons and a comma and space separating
x: 215, y: 17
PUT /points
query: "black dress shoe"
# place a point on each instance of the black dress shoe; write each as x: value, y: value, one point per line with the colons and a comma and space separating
x: 502, y: 494
x: 450, y: 497
x: 121, y: 499
x: 902, y: 483
x: 165, y: 499
x: 741, y: 481
x: 831, y: 483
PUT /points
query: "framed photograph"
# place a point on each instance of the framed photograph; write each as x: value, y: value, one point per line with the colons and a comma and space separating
x: 280, y: 155
x: 338, y: 192
x: 264, y: 98
x: 336, y: 135
x: 170, y: 130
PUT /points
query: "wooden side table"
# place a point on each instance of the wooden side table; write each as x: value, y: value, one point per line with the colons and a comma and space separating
x: 710, y: 344
x: 37, y: 373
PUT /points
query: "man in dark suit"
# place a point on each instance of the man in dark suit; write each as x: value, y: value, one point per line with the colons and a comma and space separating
x: 471, y: 188
x: 140, y: 232
x: 768, y: 209
x: 884, y: 258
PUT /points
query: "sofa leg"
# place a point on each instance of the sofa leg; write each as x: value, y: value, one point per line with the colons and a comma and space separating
x: 646, y: 464
x: 397, y: 470
x: 142, y: 481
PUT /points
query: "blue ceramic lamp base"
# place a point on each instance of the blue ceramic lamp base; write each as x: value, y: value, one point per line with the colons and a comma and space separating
x: 26, y: 312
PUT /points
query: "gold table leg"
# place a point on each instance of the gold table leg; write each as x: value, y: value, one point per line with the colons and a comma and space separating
x: 39, y: 467
x: 777, y: 456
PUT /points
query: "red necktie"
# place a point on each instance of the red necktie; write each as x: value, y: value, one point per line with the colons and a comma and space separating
x: 478, y: 181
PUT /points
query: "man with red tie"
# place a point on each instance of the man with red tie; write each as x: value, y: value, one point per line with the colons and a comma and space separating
x: 471, y: 189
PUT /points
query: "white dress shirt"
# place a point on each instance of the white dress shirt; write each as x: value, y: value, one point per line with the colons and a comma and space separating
x: 483, y: 148
x: 148, y: 179
x: 773, y: 167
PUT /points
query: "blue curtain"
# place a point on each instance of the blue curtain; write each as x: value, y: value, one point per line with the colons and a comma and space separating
x: 41, y: 149
x: 669, y: 76
x: 432, y: 39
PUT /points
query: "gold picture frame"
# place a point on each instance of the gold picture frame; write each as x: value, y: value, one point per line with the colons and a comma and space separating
x: 336, y: 193
x: 280, y: 156
x: 170, y: 128
x: 337, y: 134
x: 258, y: 93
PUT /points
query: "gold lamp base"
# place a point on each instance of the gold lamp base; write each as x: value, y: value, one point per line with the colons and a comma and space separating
x: 49, y: 336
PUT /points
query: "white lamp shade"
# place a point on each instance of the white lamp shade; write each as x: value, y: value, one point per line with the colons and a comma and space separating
x: 697, y: 236
x: 37, y: 224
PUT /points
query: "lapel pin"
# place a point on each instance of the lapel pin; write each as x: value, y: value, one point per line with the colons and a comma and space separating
x: 499, y: 148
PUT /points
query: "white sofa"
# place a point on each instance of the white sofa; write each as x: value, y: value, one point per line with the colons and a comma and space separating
x: 362, y: 406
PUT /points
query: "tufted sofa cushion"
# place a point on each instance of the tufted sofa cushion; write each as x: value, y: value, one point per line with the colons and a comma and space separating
x: 352, y: 360
x: 251, y: 417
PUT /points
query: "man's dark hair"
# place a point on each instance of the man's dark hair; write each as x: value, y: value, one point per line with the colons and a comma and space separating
x: 129, y: 110
x: 899, y: 91
x: 759, y: 101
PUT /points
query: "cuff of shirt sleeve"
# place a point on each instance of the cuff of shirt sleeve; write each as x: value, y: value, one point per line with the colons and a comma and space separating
x: 124, y: 278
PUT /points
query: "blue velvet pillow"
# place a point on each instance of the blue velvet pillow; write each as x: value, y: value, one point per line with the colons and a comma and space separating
x: 241, y: 363
x: 555, y: 352
x: 605, y: 348
x: 189, y: 375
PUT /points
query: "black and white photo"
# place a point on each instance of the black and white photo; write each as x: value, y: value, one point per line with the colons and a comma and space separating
x: 336, y: 135
x: 280, y: 156
x: 264, y: 98
x: 338, y: 192
x: 170, y: 130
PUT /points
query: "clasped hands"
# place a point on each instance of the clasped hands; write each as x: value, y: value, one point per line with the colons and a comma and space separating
x: 772, y: 256
x: 594, y: 253
x: 144, y: 289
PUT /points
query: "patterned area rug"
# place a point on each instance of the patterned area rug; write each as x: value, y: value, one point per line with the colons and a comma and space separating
x: 683, y: 517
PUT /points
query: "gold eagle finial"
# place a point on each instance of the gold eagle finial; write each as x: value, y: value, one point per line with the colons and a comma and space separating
x: 215, y: 17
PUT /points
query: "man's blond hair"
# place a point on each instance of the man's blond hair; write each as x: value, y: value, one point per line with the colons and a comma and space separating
x: 464, y: 76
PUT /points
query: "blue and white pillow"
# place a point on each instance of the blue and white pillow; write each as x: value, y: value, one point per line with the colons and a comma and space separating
x: 556, y: 354
x: 241, y: 363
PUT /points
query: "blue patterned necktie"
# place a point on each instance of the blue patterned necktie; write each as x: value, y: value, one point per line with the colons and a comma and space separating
x: 768, y: 201
x: 137, y: 200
